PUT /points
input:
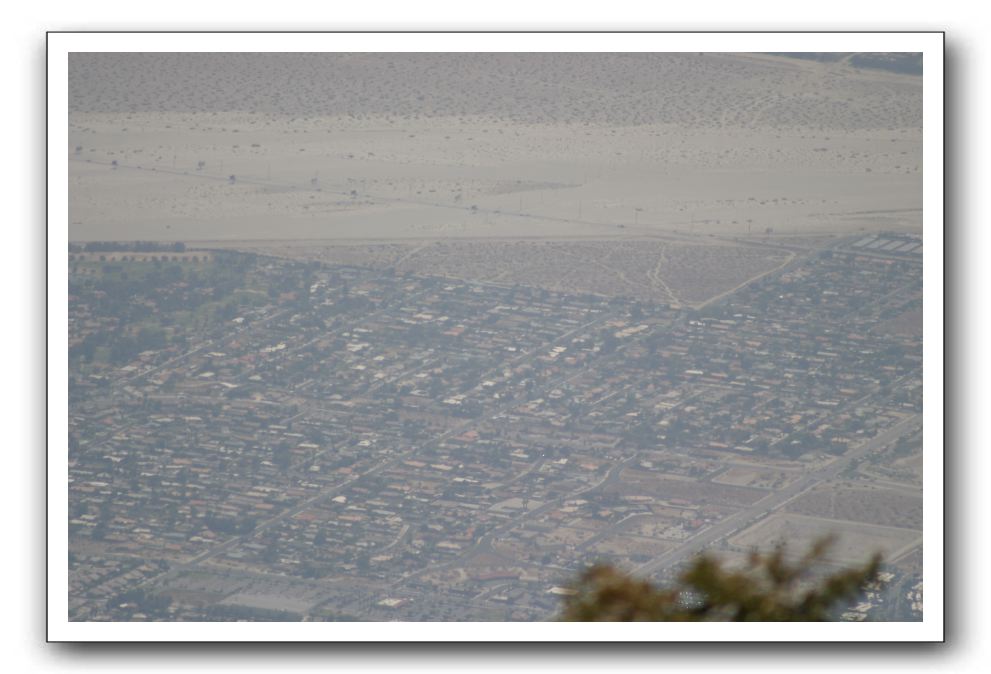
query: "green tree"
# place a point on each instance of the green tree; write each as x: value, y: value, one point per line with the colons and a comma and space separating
x: 769, y: 589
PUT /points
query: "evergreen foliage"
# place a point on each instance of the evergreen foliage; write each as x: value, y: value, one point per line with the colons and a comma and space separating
x: 769, y: 588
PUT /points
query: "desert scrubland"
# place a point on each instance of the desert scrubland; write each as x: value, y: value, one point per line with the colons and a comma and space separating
x: 375, y: 147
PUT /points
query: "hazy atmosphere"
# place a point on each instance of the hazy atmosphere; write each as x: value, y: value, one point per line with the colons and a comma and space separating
x: 421, y: 336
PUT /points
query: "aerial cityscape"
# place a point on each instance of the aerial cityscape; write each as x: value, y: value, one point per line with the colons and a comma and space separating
x: 420, y: 337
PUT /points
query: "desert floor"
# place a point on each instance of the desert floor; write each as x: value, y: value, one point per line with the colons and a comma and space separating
x: 363, y: 147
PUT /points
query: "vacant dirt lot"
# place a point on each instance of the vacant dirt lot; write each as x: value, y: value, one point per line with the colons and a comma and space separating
x: 650, y: 269
x: 754, y: 477
x: 855, y: 542
x: 694, y: 492
x: 875, y: 505
x: 626, y: 545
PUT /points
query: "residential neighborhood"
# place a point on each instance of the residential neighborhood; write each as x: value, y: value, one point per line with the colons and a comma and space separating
x: 255, y: 437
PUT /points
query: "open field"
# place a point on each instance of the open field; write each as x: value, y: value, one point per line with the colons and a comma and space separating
x: 911, y: 466
x: 754, y: 477
x: 650, y: 270
x: 627, y: 546
x: 855, y: 542
x: 862, y: 503
x: 428, y: 146
x: 907, y: 323
x: 634, y: 482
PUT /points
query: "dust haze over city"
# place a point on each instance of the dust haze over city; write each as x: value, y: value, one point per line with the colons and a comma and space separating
x: 420, y: 336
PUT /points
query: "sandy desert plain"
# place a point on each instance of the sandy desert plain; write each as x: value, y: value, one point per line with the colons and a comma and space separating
x: 671, y: 177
